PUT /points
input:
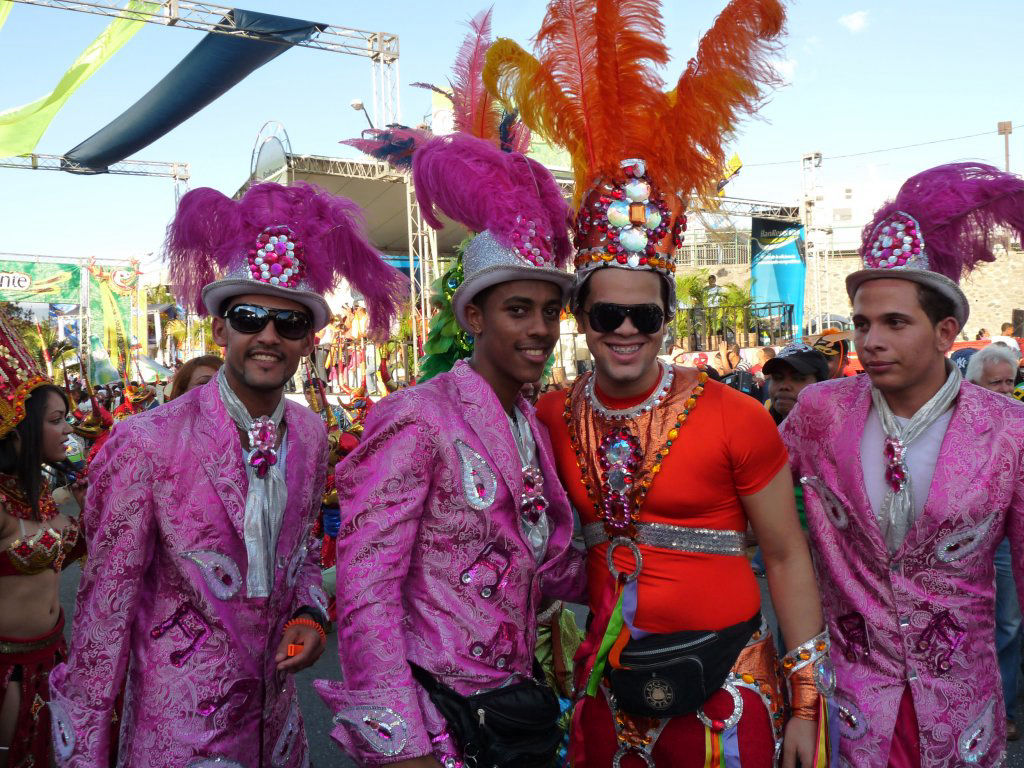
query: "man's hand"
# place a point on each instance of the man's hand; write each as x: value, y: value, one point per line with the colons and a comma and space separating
x: 798, y: 743
x: 312, y: 647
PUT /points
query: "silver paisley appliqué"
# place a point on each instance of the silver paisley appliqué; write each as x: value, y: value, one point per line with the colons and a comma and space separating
x: 960, y: 544
x: 63, y: 731
x: 317, y: 598
x: 976, y: 738
x: 382, y: 727
x: 214, y: 762
x: 289, y: 736
x: 478, y: 480
x: 220, y: 572
x: 834, y: 511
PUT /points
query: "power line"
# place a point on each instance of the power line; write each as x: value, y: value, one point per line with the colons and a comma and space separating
x: 887, y: 149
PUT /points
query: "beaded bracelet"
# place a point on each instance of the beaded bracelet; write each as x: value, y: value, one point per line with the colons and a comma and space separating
x: 809, y: 676
x: 302, y: 621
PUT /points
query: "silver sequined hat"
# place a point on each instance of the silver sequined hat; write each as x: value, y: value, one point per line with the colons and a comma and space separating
x: 486, y: 263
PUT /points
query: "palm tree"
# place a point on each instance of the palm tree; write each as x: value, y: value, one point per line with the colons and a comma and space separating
x: 736, y: 302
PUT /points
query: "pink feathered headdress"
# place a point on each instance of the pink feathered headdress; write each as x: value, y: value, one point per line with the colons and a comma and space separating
x: 511, y: 201
x: 297, y: 242
x: 940, y: 226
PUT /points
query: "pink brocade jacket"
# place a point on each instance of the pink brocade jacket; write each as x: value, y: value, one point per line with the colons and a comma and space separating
x: 162, y: 605
x: 924, y: 617
x: 432, y: 565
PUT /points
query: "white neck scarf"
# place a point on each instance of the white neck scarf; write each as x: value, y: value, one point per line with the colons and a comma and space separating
x: 265, y: 498
x: 897, y: 512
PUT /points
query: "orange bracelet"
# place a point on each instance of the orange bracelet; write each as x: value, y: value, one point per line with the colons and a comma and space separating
x: 302, y: 621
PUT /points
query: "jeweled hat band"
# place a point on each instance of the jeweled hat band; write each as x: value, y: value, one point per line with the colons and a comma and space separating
x: 626, y: 222
x: 896, y: 243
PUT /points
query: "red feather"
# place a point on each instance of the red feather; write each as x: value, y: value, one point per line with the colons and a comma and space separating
x: 475, y: 109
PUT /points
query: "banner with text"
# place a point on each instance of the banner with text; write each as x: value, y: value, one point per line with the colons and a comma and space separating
x: 778, y: 265
x: 45, y: 283
x: 112, y: 292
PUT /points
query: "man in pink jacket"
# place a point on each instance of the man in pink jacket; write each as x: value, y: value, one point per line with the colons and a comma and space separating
x: 201, y: 595
x: 454, y: 527
x: 912, y: 477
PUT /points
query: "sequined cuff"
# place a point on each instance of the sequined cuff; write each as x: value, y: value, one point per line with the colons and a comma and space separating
x: 809, y: 676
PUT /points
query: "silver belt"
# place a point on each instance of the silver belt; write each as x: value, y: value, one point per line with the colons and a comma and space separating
x: 682, y: 538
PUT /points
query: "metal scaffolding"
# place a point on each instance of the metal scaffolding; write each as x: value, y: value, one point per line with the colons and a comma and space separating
x: 422, y: 247
x: 179, y: 172
x: 381, y: 48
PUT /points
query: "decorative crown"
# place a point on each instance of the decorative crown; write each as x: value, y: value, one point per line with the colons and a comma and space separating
x: 20, y: 374
x: 277, y: 258
x: 896, y: 243
x: 626, y: 222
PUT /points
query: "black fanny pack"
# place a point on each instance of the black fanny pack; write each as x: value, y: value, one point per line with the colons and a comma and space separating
x: 511, y: 727
x: 670, y: 675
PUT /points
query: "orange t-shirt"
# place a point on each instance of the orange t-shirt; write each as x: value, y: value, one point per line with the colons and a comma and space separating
x: 728, y: 447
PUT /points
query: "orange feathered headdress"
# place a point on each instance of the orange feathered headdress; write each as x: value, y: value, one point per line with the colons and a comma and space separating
x: 636, y: 148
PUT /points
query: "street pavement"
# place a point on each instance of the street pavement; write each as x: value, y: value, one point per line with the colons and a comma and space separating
x: 324, y: 752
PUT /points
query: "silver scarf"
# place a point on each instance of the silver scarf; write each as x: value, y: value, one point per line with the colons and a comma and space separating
x: 265, y: 498
x: 897, y: 513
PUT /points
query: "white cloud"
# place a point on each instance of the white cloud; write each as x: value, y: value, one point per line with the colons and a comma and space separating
x: 786, y: 68
x: 855, y: 21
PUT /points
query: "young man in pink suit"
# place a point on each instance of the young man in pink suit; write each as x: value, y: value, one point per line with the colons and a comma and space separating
x: 912, y: 477
x: 202, y: 595
x: 454, y: 528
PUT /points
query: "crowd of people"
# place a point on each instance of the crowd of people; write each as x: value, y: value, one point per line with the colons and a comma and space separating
x: 447, y: 530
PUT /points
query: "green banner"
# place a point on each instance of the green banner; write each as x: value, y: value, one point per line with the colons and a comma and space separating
x: 22, y: 127
x: 5, y: 11
x: 40, y: 282
x: 111, y: 294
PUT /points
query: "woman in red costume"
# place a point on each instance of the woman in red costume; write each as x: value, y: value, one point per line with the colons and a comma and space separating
x: 36, y: 541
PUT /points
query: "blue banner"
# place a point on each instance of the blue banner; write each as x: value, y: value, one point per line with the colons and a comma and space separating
x: 778, y: 265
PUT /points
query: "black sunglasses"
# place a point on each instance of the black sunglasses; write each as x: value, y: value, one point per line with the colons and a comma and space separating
x: 605, y: 318
x: 250, y: 318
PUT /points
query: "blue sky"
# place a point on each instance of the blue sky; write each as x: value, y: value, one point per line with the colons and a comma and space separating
x: 861, y: 76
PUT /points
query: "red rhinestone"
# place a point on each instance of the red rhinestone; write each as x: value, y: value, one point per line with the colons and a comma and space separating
x: 612, y: 249
x: 621, y: 258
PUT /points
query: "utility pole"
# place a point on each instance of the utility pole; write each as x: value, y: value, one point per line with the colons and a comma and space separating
x: 1005, y: 128
x: 811, y: 162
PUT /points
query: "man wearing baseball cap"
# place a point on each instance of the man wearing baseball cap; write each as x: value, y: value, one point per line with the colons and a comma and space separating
x: 796, y: 367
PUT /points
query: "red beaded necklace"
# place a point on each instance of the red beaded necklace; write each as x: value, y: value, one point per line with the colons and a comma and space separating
x: 17, y: 505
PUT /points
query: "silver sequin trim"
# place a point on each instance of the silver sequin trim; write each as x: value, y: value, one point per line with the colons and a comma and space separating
x: 679, y: 537
x: 852, y: 723
x: 289, y: 736
x: 476, y: 472
x: 959, y: 544
x: 384, y: 729
x: 734, y: 716
x: 214, y: 762
x: 63, y: 731
x: 977, y: 737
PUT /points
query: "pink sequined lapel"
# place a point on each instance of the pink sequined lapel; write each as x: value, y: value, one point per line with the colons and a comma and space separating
x: 219, y: 452
x: 958, y: 467
x: 856, y: 407
x: 488, y: 420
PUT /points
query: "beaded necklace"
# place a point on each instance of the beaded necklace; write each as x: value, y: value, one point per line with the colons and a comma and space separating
x: 17, y: 504
x: 623, y: 484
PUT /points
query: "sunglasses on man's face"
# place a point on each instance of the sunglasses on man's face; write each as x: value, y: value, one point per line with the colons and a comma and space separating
x: 605, y: 318
x: 289, y: 323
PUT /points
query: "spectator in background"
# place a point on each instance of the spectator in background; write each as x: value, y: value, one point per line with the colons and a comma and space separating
x: 982, y: 334
x: 796, y: 367
x: 995, y: 369
x: 1006, y: 329
x: 194, y: 373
